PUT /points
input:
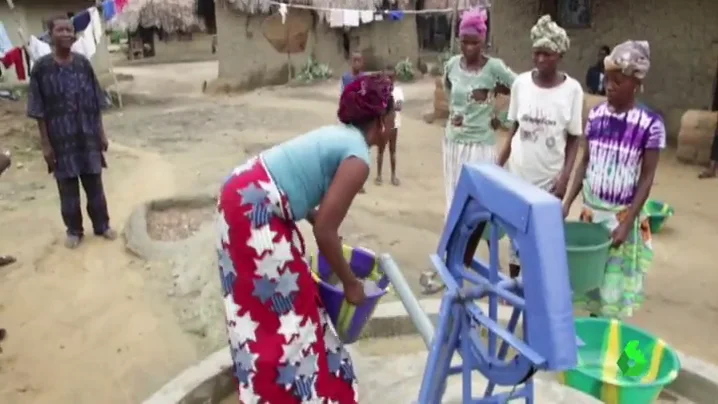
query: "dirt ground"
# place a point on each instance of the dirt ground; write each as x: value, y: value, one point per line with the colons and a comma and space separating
x: 97, y: 324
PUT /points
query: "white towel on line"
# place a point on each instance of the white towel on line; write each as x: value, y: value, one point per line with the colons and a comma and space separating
x: 86, y: 44
x: 351, y: 18
x: 336, y: 18
x: 366, y: 16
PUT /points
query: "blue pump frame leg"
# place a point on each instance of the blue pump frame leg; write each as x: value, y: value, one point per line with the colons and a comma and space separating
x: 534, y: 222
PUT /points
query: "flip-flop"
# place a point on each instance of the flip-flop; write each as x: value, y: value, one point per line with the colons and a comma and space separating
x: 706, y: 174
x: 6, y: 260
x: 430, y: 284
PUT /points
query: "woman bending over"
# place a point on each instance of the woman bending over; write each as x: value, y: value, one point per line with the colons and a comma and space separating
x: 284, y: 347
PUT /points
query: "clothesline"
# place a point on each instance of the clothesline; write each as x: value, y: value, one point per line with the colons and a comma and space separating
x: 426, y: 11
x: 88, y: 25
x: 107, y: 8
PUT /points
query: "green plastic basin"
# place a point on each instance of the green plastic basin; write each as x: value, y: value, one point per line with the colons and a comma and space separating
x: 587, y: 246
x: 658, y: 214
x: 486, y: 235
x: 598, y: 373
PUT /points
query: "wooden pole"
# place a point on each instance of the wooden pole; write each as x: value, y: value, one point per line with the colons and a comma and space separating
x: 286, y: 43
x: 454, y: 17
x: 110, y: 66
x: 20, y: 30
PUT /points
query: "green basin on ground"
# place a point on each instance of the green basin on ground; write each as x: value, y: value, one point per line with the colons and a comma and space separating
x: 587, y: 246
x: 598, y: 373
x: 486, y: 235
x: 658, y: 214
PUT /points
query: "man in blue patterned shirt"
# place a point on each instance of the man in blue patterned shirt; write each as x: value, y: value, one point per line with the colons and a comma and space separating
x: 66, y: 99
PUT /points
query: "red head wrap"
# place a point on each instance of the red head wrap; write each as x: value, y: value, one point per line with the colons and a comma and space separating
x: 365, y: 99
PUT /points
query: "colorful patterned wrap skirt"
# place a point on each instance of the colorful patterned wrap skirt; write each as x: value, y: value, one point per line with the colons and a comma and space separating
x: 284, y: 347
x: 622, y: 290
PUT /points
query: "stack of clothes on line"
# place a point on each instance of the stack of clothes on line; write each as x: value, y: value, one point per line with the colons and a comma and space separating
x: 88, y: 28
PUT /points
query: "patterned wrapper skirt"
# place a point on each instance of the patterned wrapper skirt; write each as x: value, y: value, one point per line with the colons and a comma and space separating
x: 283, y: 345
x: 622, y: 290
x: 455, y: 155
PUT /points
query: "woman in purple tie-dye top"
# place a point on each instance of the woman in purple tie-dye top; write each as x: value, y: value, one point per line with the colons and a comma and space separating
x: 615, y: 178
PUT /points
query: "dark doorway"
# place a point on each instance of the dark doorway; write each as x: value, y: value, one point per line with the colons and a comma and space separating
x: 434, y: 30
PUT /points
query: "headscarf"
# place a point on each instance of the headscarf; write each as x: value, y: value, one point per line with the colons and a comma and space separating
x: 473, y: 22
x: 547, y: 34
x: 632, y: 58
x: 364, y: 99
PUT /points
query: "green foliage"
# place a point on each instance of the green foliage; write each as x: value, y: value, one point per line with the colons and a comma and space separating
x: 116, y: 37
x: 405, y: 71
x: 314, y: 71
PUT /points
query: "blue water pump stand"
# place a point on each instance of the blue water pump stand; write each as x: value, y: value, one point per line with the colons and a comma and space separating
x: 533, y: 220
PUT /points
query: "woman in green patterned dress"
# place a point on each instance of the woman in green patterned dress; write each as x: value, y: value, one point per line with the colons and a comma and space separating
x: 471, y: 80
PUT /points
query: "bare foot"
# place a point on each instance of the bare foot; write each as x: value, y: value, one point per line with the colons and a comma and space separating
x: 6, y: 260
x: 72, y: 241
x: 707, y: 174
x: 109, y: 234
x: 378, y: 180
x: 395, y: 181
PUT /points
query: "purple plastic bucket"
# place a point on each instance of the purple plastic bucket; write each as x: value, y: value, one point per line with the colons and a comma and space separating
x: 349, y: 320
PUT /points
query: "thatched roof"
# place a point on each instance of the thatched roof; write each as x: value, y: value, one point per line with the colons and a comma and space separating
x: 264, y: 6
x: 170, y: 15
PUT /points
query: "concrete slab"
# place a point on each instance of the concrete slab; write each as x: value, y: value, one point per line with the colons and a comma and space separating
x: 394, y: 376
x: 397, y: 379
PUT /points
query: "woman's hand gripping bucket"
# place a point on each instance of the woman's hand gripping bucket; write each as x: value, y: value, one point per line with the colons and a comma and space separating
x: 349, y: 320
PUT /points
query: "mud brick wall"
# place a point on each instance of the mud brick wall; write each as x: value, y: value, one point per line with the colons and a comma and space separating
x: 683, y: 37
x: 247, y: 60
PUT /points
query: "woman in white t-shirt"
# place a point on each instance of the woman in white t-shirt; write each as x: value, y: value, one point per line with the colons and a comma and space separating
x: 545, y: 107
x: 398, y: 96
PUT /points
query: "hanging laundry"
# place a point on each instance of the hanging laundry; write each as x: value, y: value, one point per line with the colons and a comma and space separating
x: 85, y: 45
x: 336, y: 18
x: 366, y: 16
x: 351, y: 18
x: 5, y: 43
x: 37, y: 48
x: 108, y: 10
x: 120, y: 5
x: 396, y: 15
x: 81, y: 20
x: 87, y: 41
x: 283, y: 12
x: 15, y: 57
x: 96, y: 23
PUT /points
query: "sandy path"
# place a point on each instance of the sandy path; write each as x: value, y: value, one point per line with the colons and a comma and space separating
x: 81, y: 325
x: 97, y: 325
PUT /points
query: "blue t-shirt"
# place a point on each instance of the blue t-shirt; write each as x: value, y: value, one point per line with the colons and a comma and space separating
x: 304, y: 167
